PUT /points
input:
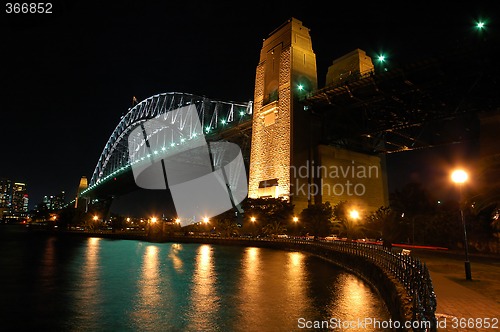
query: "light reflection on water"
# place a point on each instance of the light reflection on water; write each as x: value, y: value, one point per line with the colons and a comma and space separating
x: 250, y: 291
x: 174, y: 256
x: 86, y: 297
x: 149, y: 288
x: 204, y: 298
x: 124, y: 285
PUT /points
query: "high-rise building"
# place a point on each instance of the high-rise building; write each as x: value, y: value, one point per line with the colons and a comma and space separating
x: 5, y: 196
x: 54, y: 202
x: 19, y: 198
x: 5, y: 193
x: 17, y: 209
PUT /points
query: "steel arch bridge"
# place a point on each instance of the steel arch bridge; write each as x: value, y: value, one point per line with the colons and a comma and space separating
x: 216, y: 118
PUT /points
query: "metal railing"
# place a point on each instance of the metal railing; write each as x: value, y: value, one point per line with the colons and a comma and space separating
x: 410, y: 272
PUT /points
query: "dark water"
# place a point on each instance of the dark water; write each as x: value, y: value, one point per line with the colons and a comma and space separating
x: 52, y: 283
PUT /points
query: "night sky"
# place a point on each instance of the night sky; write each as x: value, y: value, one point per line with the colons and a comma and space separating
x: 67, y: 77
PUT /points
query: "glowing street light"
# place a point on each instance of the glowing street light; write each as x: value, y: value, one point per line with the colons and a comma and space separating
x: 253, y: 219
x: 205, y: 220
x: 460, y: 177
x: 295, y: 219
x: 354, y: 214
x: 178, y: 221
x: 95, y: 218
x: 153, y: 220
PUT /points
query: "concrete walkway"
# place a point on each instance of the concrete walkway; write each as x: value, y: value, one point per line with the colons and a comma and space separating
x: 464, y: 305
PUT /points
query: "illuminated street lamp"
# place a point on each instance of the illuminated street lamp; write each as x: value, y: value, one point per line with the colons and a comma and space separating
x: 95, y: 218
x: 205, y: 220
x: 253, y: 219
x: 178, y: 221
x: 295, y: 219
x: 153, y: 220
x: 460, y: 177
x: 354, y: 214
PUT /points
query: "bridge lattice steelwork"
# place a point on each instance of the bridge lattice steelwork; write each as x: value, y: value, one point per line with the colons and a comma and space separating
x: 215, y: 117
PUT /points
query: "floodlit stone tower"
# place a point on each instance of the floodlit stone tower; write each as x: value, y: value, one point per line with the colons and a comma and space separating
x: 281, y: 131
x: 81, y: 187
x: 289, y: 158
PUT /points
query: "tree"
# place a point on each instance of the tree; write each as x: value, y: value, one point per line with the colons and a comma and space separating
x: 444, y: 227
x: 487, y: 194
x: 69, y: 216
x: 274, y: 211
x: 117, y: 222
x: 486, y: 201
x: 318, y: 219
x: 41, y: 213
x: 274, y: 227
x: 416, y: 207
x: 419, y: 218
x: 344, y: 224
x: 226, y: 223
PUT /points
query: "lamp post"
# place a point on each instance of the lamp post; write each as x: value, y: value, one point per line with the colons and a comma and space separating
x: 460, y: 177
x: 353, y: 215
x: 253, y: 228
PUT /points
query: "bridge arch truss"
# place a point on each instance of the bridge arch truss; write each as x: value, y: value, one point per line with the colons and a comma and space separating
x: 213, y: 115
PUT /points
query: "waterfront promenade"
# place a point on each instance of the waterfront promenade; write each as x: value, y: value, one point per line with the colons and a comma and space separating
x: 461, y: 301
